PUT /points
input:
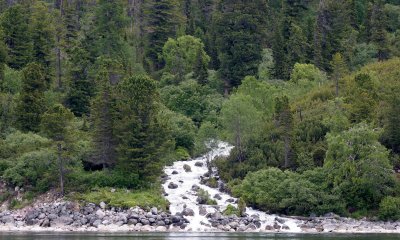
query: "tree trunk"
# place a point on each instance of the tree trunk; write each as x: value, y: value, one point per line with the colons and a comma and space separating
x: 61, y: 166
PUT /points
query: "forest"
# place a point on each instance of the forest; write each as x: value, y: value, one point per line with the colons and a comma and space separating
x: 100, y: 94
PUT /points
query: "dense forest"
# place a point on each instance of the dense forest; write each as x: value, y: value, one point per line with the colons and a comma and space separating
x: 99, y: 94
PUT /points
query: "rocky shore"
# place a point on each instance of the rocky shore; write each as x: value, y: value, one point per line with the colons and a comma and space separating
x: 64, y: 216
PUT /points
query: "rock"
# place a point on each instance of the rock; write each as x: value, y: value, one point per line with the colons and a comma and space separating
x: 160, y: 223
x: 8, y: 219
x: 331, y: 215
x: 151, y: 220
x: 132, y: 221
x: 277, y: 226
x: 234, y: 225
x: 285, y: 227
x: 187, y: 168
x: 154, y: 211
x: 144, y: 221
x: 172, y: 185
x: 202, y: 211
x: 52, y: 216
x: 63, y: 220
x: 195, y: 188
x: 161, y: 229
x: 146, y: 228
x: 102, y: 205
x: 217, y: 196
x: 175, y: 219
x: 188, y: 212
x: 42, y: 216
x: 175, y: 172
x: 100, y: 214
x: 96, y: 223
x: 45, y: 223
x: 84, y: 221
x: 230, y: 200
x: 269, y: 228
x: 280, y: 220
x: 199, y: 164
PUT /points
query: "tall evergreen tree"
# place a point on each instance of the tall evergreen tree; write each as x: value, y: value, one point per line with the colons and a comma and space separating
x: 338, y: 70
x: 43, y: 37
x: 141, y: 135
x: 239, y: 27
x: 103, y: 114
x: 161, y: 22
x: 377, y: 31
x: 15, y: 25
x: 284, y: 120
x: 31, y: 105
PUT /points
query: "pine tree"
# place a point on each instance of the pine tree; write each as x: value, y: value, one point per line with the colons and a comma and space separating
x: 333, y: 26
x: 15, y: 25
x: 392, y: 128
x: 377, y: 31
x: 338, y: 70
x: 284, y: 120
x: 109, y: 26
x: 42, y: 35
x: 54, y: 124
x: 200, y: 69
x: 239, y: 28
x: 103, y: 114
x: 31, y: 103
x: 141, y: 136
x: 161, y: 18
x: 81, y: 88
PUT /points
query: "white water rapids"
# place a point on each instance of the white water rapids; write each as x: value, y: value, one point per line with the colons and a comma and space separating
x: 184, y: 196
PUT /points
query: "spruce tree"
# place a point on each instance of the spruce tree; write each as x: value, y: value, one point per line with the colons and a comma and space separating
x: 284, y: 120
x: 31, y: 102
x: 339, y: 69
x: 239, y: 28
x: 103, y: 114
x: 377, y: 31
x: 142, y: 137
x: 15, y: 25
x: 42, y: 35
x: 161, y: 20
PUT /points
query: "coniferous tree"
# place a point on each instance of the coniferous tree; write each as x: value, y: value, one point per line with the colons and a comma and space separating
x: 42, y: 35
x: 103, y: 114
x: 239, y: 27
x: 31, y: 105
x: 338, y: 70
x: 141, y: 135
x: 377, y: 31
x: 15, y: 25
x: 161, y: 18
x: 54, y: 124
x: 284, y: 120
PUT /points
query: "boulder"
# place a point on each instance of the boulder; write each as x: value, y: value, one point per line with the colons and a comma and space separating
x: 199, y: 164
x: 202, y: 211
x: 45, y: 223
x: 175, y: 172
x: 100, y: 214
x: 96, y: 223
x: 172, y: 185
x: 187, y: 168
x: 188, y: 212
x: 103, y: 205
x: 217, y: 196
x: 195, y: 188
x: 154, y: 211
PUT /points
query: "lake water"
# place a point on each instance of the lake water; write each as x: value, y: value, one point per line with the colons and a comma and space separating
x: 193, y: 236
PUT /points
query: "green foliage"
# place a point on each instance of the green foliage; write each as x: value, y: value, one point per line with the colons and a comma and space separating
x: 358, y: 167
x: 389, y: 208
x: 143, y: 138
x: 285, y: 192
x: 230, y: 210
x: 183, y: 55
x: 307, y: 72
x: 238, y: 28
x: 205, y: 197
x: 12, y: 82
x: 266, y: 66
x: 55, y: 122
x: 31, y: 103
x: 125, y: 198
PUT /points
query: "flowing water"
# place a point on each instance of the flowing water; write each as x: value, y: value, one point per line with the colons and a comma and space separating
x: 185, y: 196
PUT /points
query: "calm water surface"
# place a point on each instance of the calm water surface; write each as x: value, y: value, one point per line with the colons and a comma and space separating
x: 193, y: 236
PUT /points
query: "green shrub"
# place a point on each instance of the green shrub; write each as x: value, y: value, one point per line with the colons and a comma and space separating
x: 389, y: 208
x: 231, y: 210
x: 124, y: 198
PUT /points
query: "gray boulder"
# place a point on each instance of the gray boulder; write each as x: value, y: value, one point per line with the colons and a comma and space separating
x: 172, y: 185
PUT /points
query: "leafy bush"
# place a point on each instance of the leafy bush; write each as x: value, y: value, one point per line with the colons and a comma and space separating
x: 389, y: 208
x: 230, y: 210
x: 284, y: 192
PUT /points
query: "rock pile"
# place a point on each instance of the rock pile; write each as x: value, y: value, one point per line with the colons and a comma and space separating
x: 68, y: 214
